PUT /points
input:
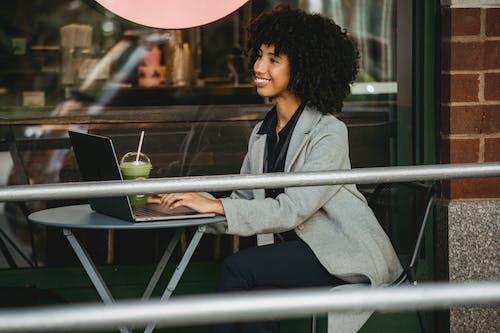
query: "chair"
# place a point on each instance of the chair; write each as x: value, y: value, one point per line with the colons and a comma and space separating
x: 409, y: 202
x: 7, y: 254
x: 417, y: 199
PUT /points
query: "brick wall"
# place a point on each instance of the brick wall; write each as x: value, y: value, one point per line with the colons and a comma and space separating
x: 470, y: 103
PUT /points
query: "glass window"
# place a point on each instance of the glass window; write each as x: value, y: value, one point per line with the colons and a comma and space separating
x: 74, y: 65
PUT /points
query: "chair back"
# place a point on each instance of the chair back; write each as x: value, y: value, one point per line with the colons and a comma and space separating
x: 403, y: 210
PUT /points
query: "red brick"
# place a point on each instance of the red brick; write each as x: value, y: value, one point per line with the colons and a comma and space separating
x: 461, y: 150
x: 491, y: 119
x: 492, y: 22
x: 470, y: 55
x: 473, y: 188
x: 465, y: 119
x: 445, y: 150
x: 467, y: 55
x: 445, y: 88
x: 445, y: 120
x: 460, y: 88
x: 492, y: 86
x: 446, y: 56
x: 470, y: 119
x: 491, y: 54
x: 465, y: 21
x: 492, y: 150
x: 464, y: 150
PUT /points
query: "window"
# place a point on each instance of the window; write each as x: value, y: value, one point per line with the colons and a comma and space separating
x: 74, y: 65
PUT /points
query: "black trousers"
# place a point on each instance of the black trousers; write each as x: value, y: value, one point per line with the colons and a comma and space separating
x: 289, y: 264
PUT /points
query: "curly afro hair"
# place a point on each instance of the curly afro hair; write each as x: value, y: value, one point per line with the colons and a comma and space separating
x: 323, y: 59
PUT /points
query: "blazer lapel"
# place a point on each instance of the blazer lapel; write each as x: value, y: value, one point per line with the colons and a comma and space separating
x: 308, y: 119
x: 258, y: 150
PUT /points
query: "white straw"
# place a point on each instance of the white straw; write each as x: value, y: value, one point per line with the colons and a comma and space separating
x: 140, y: 146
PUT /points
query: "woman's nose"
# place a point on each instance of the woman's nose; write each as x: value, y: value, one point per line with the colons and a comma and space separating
x: 258, y: 66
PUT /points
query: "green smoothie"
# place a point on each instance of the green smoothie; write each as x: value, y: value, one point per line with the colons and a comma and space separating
x: 132, y: 169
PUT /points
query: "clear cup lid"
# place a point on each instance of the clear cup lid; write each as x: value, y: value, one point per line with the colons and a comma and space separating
x: 131, y: 157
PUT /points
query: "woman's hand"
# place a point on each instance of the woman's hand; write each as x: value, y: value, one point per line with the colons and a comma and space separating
x: 193, y: 200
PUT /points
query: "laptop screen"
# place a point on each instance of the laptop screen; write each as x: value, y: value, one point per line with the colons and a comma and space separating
x: 97, y: 161
x: 95, y: 156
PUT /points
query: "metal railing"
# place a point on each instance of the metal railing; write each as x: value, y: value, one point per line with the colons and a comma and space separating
x: 208, y: 309
x: 222, y: 308
x: 231, y: 182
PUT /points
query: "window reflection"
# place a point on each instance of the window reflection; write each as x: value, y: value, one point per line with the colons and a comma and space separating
x: 73, y: 65
x: 372, y: 23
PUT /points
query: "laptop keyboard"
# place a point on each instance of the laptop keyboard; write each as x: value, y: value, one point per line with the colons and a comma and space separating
x: 152, y: 210
x: 144, y: 211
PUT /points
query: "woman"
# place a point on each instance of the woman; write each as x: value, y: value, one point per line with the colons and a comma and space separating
x: 325, y: 235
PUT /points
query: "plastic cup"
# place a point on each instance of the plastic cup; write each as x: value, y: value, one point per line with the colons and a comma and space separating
x: 133, y: 168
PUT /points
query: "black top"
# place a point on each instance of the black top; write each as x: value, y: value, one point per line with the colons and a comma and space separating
x: 276, y: 151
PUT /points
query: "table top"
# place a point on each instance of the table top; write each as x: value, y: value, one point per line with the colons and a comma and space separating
x: 83, y: 217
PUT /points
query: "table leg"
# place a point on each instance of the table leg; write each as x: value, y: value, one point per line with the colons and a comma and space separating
x: 162, y: 264
x: 174, y: 280
x: 91, y: 271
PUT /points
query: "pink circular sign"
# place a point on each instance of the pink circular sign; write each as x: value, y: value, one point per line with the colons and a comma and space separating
x: 172, y: 14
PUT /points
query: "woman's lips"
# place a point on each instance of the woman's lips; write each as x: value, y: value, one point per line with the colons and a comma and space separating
x: 260, y: 82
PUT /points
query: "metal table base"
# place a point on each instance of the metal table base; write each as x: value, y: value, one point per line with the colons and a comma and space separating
x: 81, y: 217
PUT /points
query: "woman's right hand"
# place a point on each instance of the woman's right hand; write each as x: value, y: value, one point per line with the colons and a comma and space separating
x: 192, y: 200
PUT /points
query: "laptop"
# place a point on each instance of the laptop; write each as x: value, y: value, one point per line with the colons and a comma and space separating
x: 97, y: 161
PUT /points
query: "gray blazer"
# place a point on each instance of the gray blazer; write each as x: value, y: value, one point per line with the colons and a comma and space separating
x: 334, y: 221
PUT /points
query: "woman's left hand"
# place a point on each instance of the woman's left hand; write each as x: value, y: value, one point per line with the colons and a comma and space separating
x: 192, y: 200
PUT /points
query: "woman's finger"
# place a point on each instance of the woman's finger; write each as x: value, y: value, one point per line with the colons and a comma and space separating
x: 154, y: 199
x: 170, y: 199
x: 165, y: 199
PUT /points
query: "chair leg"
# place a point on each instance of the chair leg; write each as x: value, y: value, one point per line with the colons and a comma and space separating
x: 421, y: 321
x: 313, y: 324
x: 236, y: 244
x: 8, y: 257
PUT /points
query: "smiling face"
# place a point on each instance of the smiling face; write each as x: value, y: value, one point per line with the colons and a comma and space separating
x: 272, y: 73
